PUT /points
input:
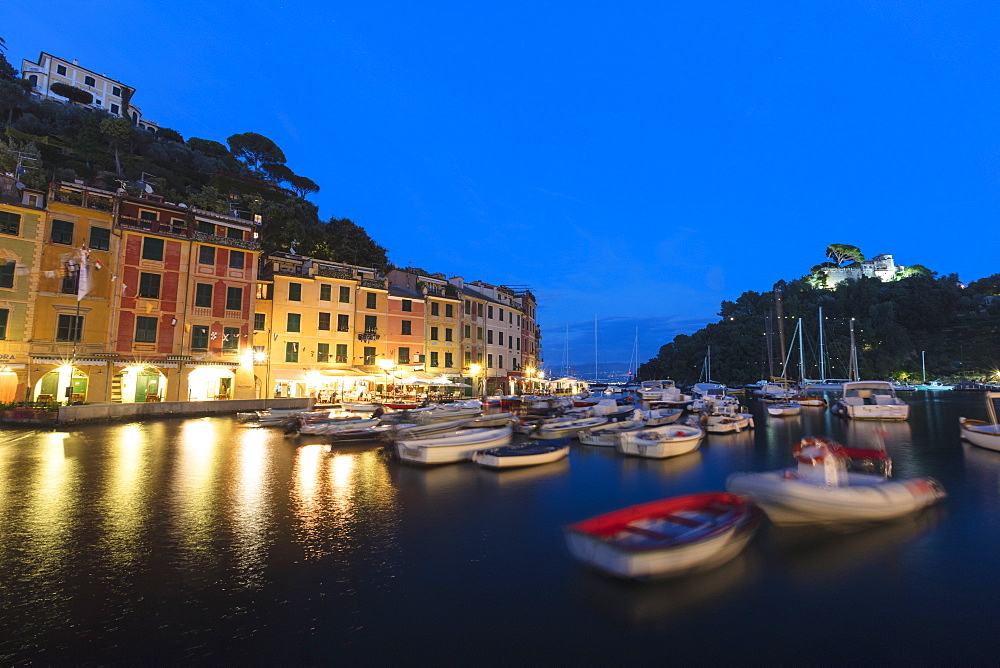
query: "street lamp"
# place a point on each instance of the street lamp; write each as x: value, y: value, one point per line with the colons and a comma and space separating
x: 474, y: 370
x: 387, y: 365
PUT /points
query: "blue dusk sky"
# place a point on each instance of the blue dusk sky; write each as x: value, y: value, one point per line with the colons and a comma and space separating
x: 634, y: 163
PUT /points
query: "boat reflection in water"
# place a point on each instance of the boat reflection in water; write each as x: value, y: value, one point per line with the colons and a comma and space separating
x: 669, y: 467
x: 522, y: 475
x: 649, y: 603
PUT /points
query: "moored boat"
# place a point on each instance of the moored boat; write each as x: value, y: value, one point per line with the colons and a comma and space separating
x: 665, y: 538
x: 870, y: 400
x: 455, y: 447
x: 659, y: 442
x: 608, y: 435
x: 568, y: 428
x: 656, y: 417
x: 782, y: 410
x: 822, y: 490
x: 525, y: 454
x: 979, y: 432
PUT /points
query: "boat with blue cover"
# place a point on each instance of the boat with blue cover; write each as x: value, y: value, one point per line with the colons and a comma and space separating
x: 526, y: 454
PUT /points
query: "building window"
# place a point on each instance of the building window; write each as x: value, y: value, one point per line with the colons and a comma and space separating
x: 291, y: 351
x: 499, y: 361
x: 434, y: 308
x: 341, y: 356
x: 325, y: 293
x: 371, y: 323
x: 116, y: 91
x: 234, y: 233
x: 149, y: 285
x: 71, y: 282
x: 4, y: 314
x: 499, y: 338
x: 234, y: 299
x: 236, y: 259
x: 7, y: 274
x: 407, y: 304
x: 403, y: 356
x: 479, y: 333
x: 448, y: 361
x: 489, y: 311
x: 489, y: 336
x: 115, y: 109
x: 62, y: 232
x: 34, y: 80
x: 345, y: 294
x: 10, y: 223
x: 406, y: 327
x: 489, y: 361
x: 199, y: 337
x: 343, y: 322
x: 500, y: 318
x: 147, y: 218
x: 519, y: 343
x: 468, y: 331
x: 434, y: 333
x: 178, y: 226
x: 369, y: 356
x: 203, y: 227
x: 145, y: 330
x: 447, y: 334
x: 294, y: 292
x: 468, y: 358
x: 322, y: 352
x: 372, y: 300
x: 259, y: 321
x: 61, y: 69
x: 100, y: 238
x: 89, y: 81
x: 324, y: 321
x: 294, y: 323
x: 434, y: 359
x: 203, y: 295
x: 152, y: 249
x: 69, y: 327
x: 468, y: 307
x: 479, y: 308
x: 230, y: 338
x: 206, y: 255
x: 449, y: 311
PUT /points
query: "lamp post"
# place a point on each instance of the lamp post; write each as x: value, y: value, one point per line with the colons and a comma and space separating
x: 386, y: 365
x: 474, y: 370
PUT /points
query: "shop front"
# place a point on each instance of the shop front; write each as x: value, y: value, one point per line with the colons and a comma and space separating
x: 138, y: 384
x: 211, y: 383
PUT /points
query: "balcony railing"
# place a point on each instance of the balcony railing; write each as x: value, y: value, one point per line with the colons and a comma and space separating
x: 330, y: 272
x: 245, y: 244
x: 377, y: 283
x: 368, y: 335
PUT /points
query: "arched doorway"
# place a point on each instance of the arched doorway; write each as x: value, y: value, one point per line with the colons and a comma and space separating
x: 138, y: 384
x: 210, y: 383
x: 65, y: 384
x: 8, y: 385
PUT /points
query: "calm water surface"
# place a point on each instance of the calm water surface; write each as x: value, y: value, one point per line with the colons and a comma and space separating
x: 202, y: 541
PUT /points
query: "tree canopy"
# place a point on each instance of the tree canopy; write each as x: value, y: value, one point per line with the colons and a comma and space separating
x: 72, y: 93
x: 841, y: 253
x: 255, y: 150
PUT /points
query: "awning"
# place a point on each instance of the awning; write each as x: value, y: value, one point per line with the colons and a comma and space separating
x: 345, y: 372
x: 285, y: 375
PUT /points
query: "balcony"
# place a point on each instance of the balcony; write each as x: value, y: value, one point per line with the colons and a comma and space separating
x: 376, y: 283
x: 330, y: 272
x: 368, y: 335
x: 244, y: 244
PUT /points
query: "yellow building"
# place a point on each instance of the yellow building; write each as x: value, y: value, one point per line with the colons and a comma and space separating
x: 307, y: 323
x: 22, y: 225
x: 71, y: 327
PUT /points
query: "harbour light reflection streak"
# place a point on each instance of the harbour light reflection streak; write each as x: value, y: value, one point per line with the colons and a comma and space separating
x: 252, y: 522
x: 192, y: 492
x: 126, y: 502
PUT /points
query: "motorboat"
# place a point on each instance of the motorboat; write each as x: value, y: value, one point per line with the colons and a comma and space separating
x: 665, y: 538
x: 724, y: 417
x: 658, y: 442
x: 491, y: 420
x: 705, y: 393
x: 934, y: 386
x: 407, y: 430
x: 822, y: 489
x: 454, y: 447
x: 525, y: 454
x: 672, y: 397
x: 870, y: 400
x: 360, y: 406
x: 776, y: 390
x: 981, y: 433
x: 334, y: 426
x: 608, y: 434
x: 807, y: 400
x: 652, y: 390
x: 566, y: 428
x: 358, y: 435
x: 656, y: 417
x: 783, y: 410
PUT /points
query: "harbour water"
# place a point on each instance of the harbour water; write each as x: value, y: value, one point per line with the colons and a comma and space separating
x: 203, y: 541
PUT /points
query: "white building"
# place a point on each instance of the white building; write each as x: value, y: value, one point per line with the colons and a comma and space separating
x: 109, y: 94
x: 882, y: 267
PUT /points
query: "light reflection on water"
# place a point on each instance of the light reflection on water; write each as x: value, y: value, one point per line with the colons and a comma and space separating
x: 210, y: 541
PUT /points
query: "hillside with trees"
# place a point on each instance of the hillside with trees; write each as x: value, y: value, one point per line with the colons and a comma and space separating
x: 247, y: 176
x: 894, y: 322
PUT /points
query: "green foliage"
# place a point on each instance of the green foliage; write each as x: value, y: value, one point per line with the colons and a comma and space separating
x: 72, y: 93
x: 342, y: 240
x: 277, y: 172
x: 302, y: 185
x: 841, y: 253
x: 166, y: 134
x: 915, y: 270
x: 208, y: 147
x: 255, y: 150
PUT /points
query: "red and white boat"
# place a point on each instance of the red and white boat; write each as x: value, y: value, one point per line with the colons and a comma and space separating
x: 666, y: 538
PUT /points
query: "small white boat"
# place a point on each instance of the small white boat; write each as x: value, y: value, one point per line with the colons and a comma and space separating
x: 981, y: 433
x: 525, y: 454
x: 665, y: 538
x: 455, y: 447
x: 565, y: 429
x: 332, y: 427
x: 492, y: 420
x: 934, y: 386
x: 661, y: 416
x: 360, y: 406
x: 821, y: 489
x: 870, y: 400
x: 725, y: 417
x: 659, y: 442
x: 445, y: 413
x: 782, y: 410
x: 406, y: 430
x: 608, y: 434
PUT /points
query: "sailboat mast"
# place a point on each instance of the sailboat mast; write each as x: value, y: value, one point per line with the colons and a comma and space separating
x: 802, y: 359
x: 822, y: 353
x: 854, y: 356
x: 595, y: 347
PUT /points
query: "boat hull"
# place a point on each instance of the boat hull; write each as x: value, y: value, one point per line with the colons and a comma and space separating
x: 449, y: 449
x: 608, y: 435
x: 666, y: 538
x: 519, y: 456
x: 662, y: 442
x: 981, y: 434
x: 867, y: 498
